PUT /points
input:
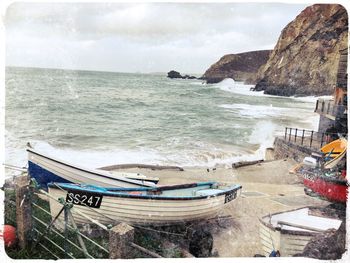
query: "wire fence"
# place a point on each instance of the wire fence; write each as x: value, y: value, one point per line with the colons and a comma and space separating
x: 55, y: 238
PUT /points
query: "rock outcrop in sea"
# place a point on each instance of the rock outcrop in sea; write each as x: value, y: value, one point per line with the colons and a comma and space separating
x: 240, y: 67
x: 176, y: 75
x: 306, y: 56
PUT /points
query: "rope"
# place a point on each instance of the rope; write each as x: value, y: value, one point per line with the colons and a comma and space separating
x: 144, y: 250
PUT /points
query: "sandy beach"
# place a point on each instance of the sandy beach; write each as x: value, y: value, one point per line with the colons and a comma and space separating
x: 267, y: 187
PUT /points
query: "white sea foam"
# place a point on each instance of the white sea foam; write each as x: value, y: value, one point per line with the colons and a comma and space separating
x: 202, y: 156
x: 258, y: 111
x: 237, y: 87
x: 99, y: 158
x: 232, y: 86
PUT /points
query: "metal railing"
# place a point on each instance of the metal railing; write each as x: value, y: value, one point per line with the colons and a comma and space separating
x: 309, y: 138
x: 330, y: 108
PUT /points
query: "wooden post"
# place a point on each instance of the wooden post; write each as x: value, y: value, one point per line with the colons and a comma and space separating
x: 302, y: 137
x: 23, y: 211
x: 312, y: 135
x: 120, y: 238
x: 290, y: 133
x: 328, y: 107
x: 285, y: 134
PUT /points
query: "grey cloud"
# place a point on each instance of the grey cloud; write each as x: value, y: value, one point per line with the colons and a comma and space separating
x: 139, y: 37
x: 138, y: 21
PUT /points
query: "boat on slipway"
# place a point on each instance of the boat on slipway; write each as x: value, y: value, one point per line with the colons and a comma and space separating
x: 333, y: 152
x: 45, y: 169
x: 324, y: 180
x: 166, y: 205
x: 334, y: 189
x: 289, y: 232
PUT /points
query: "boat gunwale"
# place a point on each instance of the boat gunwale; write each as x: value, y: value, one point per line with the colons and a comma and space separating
x: 77, y: 188
x: 131, y: 181
x: 333, y: 180
x: 328, y: 179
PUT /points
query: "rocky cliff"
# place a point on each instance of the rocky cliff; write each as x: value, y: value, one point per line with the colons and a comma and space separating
x: 306, y: 57
x: 240, y: 67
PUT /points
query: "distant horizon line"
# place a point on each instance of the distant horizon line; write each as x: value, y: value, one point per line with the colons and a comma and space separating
x: 92, y: 70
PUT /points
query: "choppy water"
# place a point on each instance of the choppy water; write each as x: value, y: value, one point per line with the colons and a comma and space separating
x: 101, y: 118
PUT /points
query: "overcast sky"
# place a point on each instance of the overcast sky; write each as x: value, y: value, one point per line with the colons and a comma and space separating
x: 146, y: 37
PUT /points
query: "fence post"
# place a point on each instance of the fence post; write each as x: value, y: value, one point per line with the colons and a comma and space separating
x: 328, y: 107
x: 290, y: 133
x: 23, y: 211
x: 302, y: 138
x: 312, y: 135
x: 285, y: 134
x: 120, y: 238
x: 296, y: 133
x: 316, y: 106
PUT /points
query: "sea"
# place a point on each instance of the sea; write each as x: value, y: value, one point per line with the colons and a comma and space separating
x: 96, y: 118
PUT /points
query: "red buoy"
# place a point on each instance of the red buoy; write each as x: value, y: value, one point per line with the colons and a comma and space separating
x: 8, y: 234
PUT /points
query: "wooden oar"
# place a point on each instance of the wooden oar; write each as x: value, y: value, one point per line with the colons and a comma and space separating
x: 300, y: 226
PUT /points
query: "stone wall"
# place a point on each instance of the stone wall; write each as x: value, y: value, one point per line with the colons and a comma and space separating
x: 283, y: 149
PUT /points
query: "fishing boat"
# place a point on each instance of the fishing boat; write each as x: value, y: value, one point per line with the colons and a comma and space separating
x: 333, y: 152
x: 334, y: 189
x: 45, y: 169
x: 289, y: 232
x: 166, y: 205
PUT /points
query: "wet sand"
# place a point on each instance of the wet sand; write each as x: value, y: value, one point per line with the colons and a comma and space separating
x: 267, y: 187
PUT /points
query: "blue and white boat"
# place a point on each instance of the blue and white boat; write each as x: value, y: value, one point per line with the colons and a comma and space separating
x: 166, y: 205
x: 45, y: 169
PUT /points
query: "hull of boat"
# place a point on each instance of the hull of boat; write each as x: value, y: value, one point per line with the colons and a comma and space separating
x: 287, y: 244
x: 289, y: 232
x: 145, y: 210
x: 45, y: 169
x: 334, y: 151
x: 334, y: 190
